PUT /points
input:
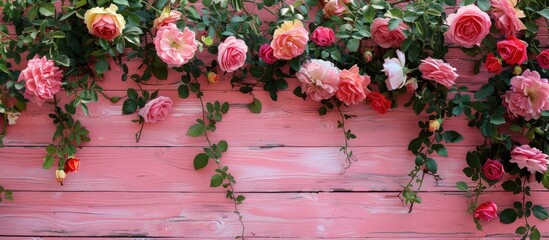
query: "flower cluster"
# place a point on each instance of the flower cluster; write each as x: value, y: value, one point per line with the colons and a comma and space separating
x: 341, y: 52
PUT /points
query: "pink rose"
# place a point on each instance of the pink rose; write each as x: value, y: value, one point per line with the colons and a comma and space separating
x: 507, y: 16
x: 438, y: 71
x: 513, y: 50
x: 543, y: 59
x: 351, y: 86
x: 493, y: 170
x: 323, y: 36
x: 493, y: 64
x: 385, y: 38
x: 42, y: 80
x: 486, y: 211
x: 378, y: 102
x: 289, y: 40
x: 468, y: 26
x: 104, y: 22
x: 394, y: 70
x: 166, y: 18
x: 334, y: 8
x: 319, y: 79
x: 156, y: 109
x: 531, y: 158
x: 266, y: 53
x: 231, y: 54
x: 528, y: 96
x: 175, y: 47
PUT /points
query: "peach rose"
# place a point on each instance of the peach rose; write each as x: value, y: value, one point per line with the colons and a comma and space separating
x: 289, y: 40
x: 166, y: 18
x: 42, y: 80
x: 156, y: 109
x: 468, y: 26
x: 352, y: 86
x: 104, y: 22
x: 231, y: 54
x: 507, y: 16
x: 334, y: 8
x: 175, y: 47
x: 438, y: 71
x: 385, y: 38
x: 319, y: 79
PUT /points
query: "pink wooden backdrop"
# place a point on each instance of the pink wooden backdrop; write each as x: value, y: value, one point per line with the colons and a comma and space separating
x: 286, y: 163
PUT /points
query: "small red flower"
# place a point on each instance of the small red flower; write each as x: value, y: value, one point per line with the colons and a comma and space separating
x: 72, y: 164
x: 493, y: 64
x: 378, y: 102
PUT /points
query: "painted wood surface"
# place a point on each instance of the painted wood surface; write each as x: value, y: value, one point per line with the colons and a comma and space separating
x: 285, y: 161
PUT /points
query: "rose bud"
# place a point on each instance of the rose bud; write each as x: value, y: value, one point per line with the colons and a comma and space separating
x: 517, y: 70
x: 213, y: 77
x: 486, y: 211
x: 60, y: 175
x: 368, y: 56
x: 72, y: 164
x: 434, y: 124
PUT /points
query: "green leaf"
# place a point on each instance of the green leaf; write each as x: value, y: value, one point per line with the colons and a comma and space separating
x: 183, y: 91
x: 472, y: 160
x: 484, y: 91
x: 484, y: 5
x: 216, y: 180
x: 63, y: 60
x: 521, y: 230
x: 545, y: 12
x: 196, y: 130
x: 509, y: 185
x: 452, y: 137
x: 222, y: 146
x: 508, y: 216
x: 497, y: 119
x: 122, y: 2
x: 48, y: 9
x: 545, y: 180
x: 101, y: 66
x: 132, y: 93
x: 540, y: 212
x: 353, y: 45
x: 535, y: 234
x: 322, y: 110
x: 200, y: 161
x: 224, y: 108
x: 440, y: 149
x: 160, y: 72
x: 48, y: 161
x: 462, y: 186
x: 255, y: 106
x: 393, y: 23
x: 129, y: 106
x: 431, y: 165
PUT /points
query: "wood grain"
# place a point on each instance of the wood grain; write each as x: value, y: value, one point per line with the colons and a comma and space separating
x: 284, y: 215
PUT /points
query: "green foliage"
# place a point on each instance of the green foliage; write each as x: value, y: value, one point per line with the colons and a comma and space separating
x: 5, y: 194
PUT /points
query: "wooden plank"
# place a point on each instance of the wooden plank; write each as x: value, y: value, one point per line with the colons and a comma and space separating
x: 281, y: 120
x: 306, y: 215
x: 255, y: 169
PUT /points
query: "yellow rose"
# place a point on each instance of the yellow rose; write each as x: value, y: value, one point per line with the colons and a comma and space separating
x: 104, y: 22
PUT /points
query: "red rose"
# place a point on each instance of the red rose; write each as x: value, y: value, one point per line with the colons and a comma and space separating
x: 493, y: 170
x: 543, y: 59
x: 493, y: 64
x: 486, y: 211
x: 323, y: 36
x: 378, y: 102
x: 512, y: 50
x: 72, y: 164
